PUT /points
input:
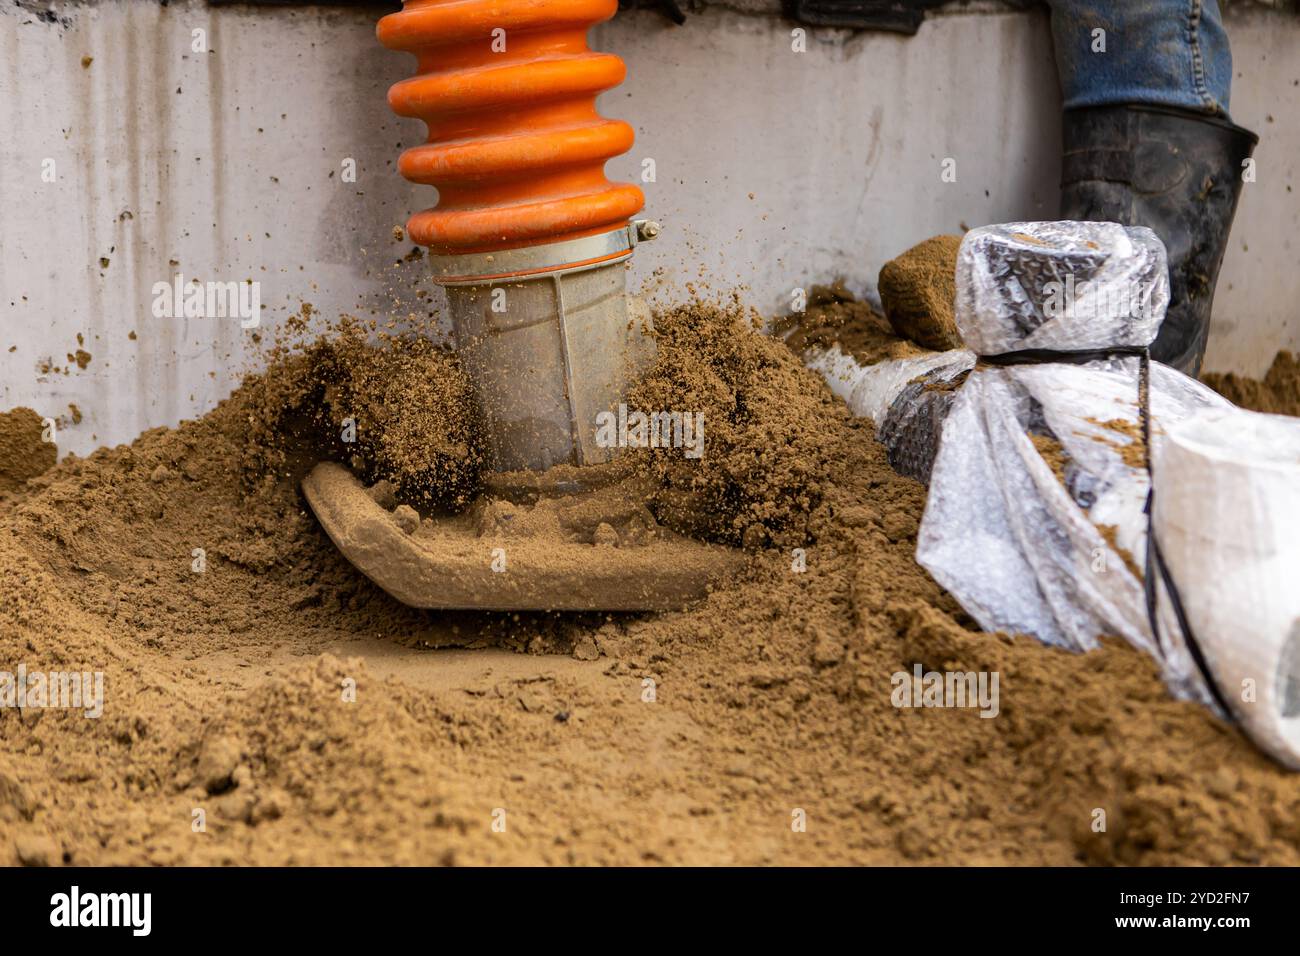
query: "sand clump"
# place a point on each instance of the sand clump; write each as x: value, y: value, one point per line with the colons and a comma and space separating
x: 306, y: 715
x: 762, y: 474
x: 918, y: 290
x: 414, y: 411
x: 396, y: 407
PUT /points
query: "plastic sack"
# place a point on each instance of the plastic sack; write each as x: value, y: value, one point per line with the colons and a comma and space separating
x: 1227, y: 517
x: 1060, y: 285
x: 1056, y: 552
x: 908, y: 399
x: 1035, y: 520
x: 1038, y: 481
x: 1016, y: 545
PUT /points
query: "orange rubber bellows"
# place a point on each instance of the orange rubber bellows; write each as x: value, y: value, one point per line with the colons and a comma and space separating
x: 516, y: 148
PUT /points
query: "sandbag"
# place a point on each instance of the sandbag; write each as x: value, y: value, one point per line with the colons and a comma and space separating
x: 1036, y: 519
x: 1227, y: 518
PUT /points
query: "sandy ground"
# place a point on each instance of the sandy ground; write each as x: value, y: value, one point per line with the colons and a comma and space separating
x: 269, y: 705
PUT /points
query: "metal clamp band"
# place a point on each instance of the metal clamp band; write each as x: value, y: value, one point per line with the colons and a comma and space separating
x: 573, y: 255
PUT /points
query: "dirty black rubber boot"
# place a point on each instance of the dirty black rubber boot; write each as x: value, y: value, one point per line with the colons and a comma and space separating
x: 1175, y: 171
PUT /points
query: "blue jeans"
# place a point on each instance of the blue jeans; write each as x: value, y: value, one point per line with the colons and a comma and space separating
x: 1155, y: 52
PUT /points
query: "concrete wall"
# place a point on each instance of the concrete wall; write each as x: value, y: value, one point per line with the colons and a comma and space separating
x: 774, y: 170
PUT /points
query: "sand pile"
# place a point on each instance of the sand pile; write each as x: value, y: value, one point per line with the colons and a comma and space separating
x: 23, y: 452
x: 835, y: 316
x: 1278, y: 393
x: 258, y: 686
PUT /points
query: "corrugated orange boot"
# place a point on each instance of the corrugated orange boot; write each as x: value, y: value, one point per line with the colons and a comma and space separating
x: 528, y: 233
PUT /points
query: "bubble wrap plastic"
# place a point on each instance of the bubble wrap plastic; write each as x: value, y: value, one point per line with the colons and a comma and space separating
x: 1024, y: 552
x: 907, y: 399
x: 1058, y: 553
x: 1022, y: 548
x: 913, y: 426
x: 1060, y: 285
x: 1227, y: 512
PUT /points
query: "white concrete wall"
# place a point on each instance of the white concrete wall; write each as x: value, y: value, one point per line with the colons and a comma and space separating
x: 1257, y: 305
x: 224, y: 159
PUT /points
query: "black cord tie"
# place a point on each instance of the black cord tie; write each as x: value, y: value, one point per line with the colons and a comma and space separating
x: 1154, y: 559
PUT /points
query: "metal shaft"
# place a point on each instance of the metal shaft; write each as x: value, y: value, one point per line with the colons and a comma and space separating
x: 550, y: 339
